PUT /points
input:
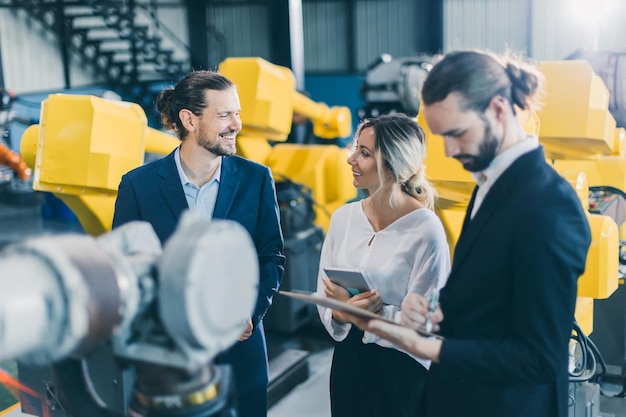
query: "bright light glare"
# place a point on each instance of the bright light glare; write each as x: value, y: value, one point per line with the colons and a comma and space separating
x: 592, y: 11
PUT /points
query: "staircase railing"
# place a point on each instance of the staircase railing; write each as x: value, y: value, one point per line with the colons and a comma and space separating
x: 123, y: 41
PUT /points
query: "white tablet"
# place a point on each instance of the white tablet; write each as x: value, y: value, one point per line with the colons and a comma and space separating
x: 347, y: 278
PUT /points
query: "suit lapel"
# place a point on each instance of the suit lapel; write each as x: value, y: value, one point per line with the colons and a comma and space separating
x: 229, y: 184
x: 495, y: 198
x: 461, y: 248
x: 171, y: 187
x: 468, y: 212
x: 472, y: 227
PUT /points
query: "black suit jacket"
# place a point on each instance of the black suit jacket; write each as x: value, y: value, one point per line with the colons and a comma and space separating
x: 154, y: 193
x: 509, y: 301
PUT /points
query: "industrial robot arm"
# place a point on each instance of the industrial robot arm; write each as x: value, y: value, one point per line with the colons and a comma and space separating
x: 162, y: 313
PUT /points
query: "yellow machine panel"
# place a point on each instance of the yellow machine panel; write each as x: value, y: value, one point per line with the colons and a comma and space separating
x: 575, y: 122
x: 600, y: 279
x: 269, y: 99
x: 585, y: 139
x: 265, y: 92
x: 82, y: 147
x: 322, y: 168
x: 453, y: 184
x: 584, y: 313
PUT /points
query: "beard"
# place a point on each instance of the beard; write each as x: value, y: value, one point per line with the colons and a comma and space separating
x: 216, y: 148
x: 486, y: 152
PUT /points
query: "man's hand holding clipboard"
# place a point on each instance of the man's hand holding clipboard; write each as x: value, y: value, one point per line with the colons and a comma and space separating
x: 365, y: 319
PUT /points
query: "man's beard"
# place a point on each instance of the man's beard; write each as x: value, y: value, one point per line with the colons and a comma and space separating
x: 486, y: 152
x: 216, y: 148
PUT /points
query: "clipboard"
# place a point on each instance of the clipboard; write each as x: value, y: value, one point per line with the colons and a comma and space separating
x: 348, y: 308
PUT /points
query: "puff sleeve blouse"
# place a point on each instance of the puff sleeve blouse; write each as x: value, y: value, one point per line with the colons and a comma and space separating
x: 411, y: 255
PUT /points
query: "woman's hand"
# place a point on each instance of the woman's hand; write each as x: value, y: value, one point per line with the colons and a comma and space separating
x: 332, y: 290
x: 368, y: 300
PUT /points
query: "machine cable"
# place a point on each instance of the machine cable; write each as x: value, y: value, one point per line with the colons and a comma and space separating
x: 585, y: 367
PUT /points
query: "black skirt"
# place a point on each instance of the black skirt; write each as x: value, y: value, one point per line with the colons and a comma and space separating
x: 370, y: 380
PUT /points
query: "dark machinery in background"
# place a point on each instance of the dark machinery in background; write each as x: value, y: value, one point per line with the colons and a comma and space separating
x: 19, y: 203
x: 394, y: 85
x: 303, y: 241
x: 582, y: 132
x: 125, y: 327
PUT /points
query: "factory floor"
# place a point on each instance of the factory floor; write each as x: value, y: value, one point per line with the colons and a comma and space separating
x: 309, y: 398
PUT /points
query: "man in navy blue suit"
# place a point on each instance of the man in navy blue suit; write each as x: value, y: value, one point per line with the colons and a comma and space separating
x: 204, y: 174
x: 510, y: 297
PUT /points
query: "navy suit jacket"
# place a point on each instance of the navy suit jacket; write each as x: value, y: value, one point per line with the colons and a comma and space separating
x: 509, y: 301
x: 247, y: 195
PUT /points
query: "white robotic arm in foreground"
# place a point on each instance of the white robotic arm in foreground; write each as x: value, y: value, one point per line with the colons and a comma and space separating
x: 164, y: 313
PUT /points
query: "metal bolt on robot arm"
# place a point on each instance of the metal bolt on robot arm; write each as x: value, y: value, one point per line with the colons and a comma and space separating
x: 159, y: 316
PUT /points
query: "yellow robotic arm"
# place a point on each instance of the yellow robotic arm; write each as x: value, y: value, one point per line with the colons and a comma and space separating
x: 82, y: 147
x: 84, y: 144
x: 268, y: 100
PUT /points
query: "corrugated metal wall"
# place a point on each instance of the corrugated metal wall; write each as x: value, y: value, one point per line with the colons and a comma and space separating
x: 339, y: 36
x: 544, y: 29
x: 496, y: 25
x: 326, y: 36
x: 240, y: 30
x: 385, y: 27
x: 379, y: 27
x: 31, y: 58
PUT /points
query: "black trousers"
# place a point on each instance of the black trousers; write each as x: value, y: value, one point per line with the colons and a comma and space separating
x: 367, y: 380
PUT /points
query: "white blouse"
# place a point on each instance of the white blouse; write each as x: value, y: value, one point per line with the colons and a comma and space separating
x: 411, y: 255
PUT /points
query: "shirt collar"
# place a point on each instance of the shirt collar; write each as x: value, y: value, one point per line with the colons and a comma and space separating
x: 504, y: 160
x: 184, y: 179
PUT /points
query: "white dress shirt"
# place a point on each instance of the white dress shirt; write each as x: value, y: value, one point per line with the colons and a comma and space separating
x: 200, y: 199
x: 486, y: 178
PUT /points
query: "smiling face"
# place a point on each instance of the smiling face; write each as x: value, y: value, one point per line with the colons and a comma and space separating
x: 220, y: 122
x: 468, y: 136
x: 363, y: 161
